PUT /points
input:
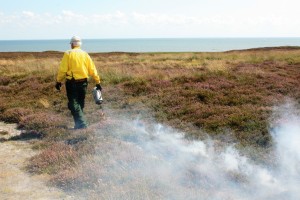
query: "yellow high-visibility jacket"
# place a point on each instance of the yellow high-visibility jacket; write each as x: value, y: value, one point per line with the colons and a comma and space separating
x: 78, y: 64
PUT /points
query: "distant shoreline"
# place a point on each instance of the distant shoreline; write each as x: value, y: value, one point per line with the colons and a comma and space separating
x: 53, y: 53
x: 149, y: 45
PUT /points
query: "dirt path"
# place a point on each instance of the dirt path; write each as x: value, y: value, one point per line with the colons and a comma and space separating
x: 15, y: 182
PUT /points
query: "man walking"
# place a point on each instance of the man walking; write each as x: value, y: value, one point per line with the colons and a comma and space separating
x: 76, y: 66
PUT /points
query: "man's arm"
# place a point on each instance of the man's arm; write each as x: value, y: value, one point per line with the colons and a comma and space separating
x: 92, y: 70
x: 63, y: 68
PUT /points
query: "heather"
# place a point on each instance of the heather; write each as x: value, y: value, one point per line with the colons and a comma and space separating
x: 226, y: 96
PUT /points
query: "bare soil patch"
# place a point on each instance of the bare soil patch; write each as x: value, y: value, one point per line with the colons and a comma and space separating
x: 15, y: 182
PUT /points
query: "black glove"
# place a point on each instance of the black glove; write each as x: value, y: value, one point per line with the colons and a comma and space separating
x: 58, y: 85
x: 98, y: 86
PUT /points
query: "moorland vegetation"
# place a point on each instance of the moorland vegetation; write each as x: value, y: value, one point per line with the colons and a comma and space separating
x: 217, y: 94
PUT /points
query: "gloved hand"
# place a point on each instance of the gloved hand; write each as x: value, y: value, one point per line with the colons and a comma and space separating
x: 98, y: 86
x: 58, y: 85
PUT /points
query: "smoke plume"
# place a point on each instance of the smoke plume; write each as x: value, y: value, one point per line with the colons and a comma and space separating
x: 138, y: 159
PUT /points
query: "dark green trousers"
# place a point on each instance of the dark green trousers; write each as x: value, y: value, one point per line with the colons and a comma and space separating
x: 76, y: 92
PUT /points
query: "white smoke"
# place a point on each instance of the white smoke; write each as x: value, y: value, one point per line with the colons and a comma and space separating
x: 142, y: 160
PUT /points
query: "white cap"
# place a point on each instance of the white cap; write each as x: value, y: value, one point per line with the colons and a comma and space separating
x: 76, y: 41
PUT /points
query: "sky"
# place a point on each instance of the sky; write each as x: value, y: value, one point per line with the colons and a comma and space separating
x: 101, y: 19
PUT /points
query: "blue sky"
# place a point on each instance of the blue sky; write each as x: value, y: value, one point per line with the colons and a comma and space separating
x: 60, y: 19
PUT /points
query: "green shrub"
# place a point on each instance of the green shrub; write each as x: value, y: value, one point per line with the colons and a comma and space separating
x: 114, y: 77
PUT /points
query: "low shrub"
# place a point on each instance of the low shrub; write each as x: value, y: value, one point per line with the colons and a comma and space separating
x: 137, y: 86
x: 4, y: 80
x: 3, y: 106
x: 14, y: 115
x: 38, y: 121
x: 55, y: 133
x: 5, y: 89
x: 28, y: 135
x: 85, y: 176
x: 56, y: 158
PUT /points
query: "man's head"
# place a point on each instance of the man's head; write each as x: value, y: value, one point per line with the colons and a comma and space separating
x: 75, y: 41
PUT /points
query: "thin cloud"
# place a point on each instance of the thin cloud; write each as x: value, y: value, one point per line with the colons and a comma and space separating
x: 158, y: 18
x: 153, y: 24
x: 67, y: 16
x: 28, y: 14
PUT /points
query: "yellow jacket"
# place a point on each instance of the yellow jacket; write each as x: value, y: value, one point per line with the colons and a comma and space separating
x: 78, y: 64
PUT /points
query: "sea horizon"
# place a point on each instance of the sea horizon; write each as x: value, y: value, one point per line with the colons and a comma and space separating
x: 204, y: 44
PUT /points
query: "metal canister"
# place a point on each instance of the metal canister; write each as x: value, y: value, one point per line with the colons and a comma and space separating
x: 97, y: 96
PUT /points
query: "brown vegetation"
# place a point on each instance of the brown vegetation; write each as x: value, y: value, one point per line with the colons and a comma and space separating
x: 214, y: 92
